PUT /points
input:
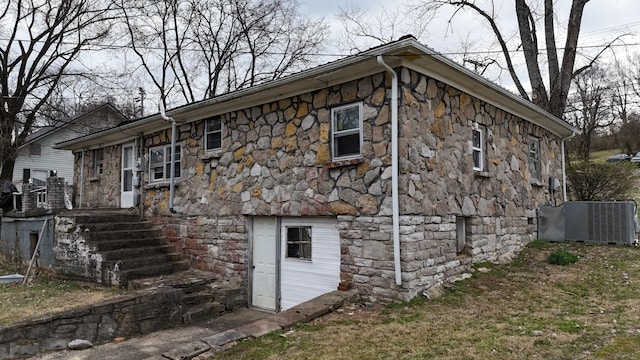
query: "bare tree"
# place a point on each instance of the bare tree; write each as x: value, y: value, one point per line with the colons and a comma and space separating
x: 196, y: 49
x: 40, y: 40
x: 550, y: 94
x: 589, y: 109
x: 362, y: 30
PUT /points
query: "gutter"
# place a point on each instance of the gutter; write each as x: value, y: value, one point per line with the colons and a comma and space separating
x: 173, y: 156
x: 394, y: 170
x: 564, y: 172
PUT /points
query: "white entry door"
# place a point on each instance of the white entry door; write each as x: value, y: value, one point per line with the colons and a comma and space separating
x: 264, y: 272
x: 126, y: 181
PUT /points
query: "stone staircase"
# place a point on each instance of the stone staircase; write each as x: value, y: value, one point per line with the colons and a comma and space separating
x: 113, y: 247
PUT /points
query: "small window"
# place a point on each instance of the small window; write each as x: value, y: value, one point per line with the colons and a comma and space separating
x: 299, y: 242
x: 346, y: 138
x: 160, y: 163
x: 478, y: 148
x: 98, y: 162
x: 213, y: 134
x: 534, y: 158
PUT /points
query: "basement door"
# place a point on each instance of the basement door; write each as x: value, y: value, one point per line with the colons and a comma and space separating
x: 294, y: 260
x: 126, y: 180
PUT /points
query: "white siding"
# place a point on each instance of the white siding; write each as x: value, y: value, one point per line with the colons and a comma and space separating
x: 303, y: 280
x: 49, y: 158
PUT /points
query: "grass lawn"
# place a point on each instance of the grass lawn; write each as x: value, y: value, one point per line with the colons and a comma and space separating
x: 529, y: 309
x: 44, y: 294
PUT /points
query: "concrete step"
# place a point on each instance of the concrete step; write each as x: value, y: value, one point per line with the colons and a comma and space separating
x: 113, y: 226
x: 127, y: 275
x: 123, y: 234
x: 197, y: 298
x: 118, y: 244
x: 136, y: 252
x: 202, y: 311
x: 132, y: 263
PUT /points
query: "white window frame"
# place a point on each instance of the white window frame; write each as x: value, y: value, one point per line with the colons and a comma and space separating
x: 479, y: 149
x: 166, y: 163
x: 335, y: 134
x: 98, y: 163
x: 534, y: 162
x: 300, y: 242
x: 207, y: 147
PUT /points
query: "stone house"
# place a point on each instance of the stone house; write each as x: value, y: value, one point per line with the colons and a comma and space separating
x: 386, y: 172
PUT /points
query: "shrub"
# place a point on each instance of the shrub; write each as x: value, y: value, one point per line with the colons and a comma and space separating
x: 597, y: 182
x: 562, y: 257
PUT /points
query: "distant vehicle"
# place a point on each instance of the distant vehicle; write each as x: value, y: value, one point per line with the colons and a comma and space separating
x: 636, y: 159
x: 619, y: 158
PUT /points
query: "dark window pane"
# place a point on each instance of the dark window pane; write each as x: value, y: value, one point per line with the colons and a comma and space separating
x: 214, y: 141
x: 476, y: 139
x: 347, y: 145
x: 476, y: 159
x: 128, y: 180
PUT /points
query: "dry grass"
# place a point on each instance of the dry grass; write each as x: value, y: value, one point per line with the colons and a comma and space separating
x: 529, y: 309
x: 45, y: 294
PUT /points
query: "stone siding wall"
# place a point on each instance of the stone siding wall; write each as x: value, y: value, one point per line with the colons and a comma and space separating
x: 276, y: 162
x: 101, y: 191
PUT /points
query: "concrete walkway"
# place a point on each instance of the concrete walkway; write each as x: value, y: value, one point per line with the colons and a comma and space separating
x: 202, y: 340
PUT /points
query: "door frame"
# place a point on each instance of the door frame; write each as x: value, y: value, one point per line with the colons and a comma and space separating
x: 131, y: 202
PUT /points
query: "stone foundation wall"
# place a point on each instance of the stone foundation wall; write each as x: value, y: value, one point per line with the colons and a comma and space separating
x: 219, y: 245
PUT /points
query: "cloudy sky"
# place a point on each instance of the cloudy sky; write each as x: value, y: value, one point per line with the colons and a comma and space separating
x: 603, y: 21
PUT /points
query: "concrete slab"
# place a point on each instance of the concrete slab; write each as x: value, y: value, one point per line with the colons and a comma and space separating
x: 187, y: 351
x: 224, y: 337
x: 260, y: 327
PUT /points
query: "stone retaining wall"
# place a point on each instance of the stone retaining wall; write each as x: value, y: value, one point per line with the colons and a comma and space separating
x: 125, y: 316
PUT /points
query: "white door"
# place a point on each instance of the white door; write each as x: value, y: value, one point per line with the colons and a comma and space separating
x: 126, y: 181
x: 264, y: 260
x: 310, y: 259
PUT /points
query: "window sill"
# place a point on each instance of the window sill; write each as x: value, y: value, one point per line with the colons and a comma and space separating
x: 537, y: 183
x: 482, y: 174
x: 341, y: 163
x: 210, y: 155
x: 160, y: 185
x: 94, y: 179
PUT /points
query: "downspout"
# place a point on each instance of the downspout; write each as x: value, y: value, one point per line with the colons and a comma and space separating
x: 81, y: 177
x: 173, y: 155
x: 564, y: 172
x: 394, y: 170
x: 140, y: 173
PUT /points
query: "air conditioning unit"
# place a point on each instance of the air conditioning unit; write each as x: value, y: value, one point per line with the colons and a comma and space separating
x: 602, y: 222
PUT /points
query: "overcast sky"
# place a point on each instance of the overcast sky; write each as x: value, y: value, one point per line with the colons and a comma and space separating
x: 603, y: 20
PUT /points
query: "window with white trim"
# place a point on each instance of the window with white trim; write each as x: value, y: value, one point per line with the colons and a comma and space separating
x: 98, y: 162
x: 299, y: 242
x: 478, y: 148
x: 346, y: 132
x: 160, y: 163
x: 534, y: 158
x: 213, y: 134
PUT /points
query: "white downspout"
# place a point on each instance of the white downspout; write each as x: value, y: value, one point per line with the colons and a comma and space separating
x: 394, y: 170
x: 564, y: 172
x: 173, y: 155
x: 81, y: 177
